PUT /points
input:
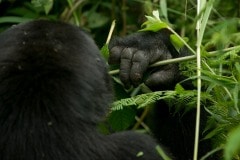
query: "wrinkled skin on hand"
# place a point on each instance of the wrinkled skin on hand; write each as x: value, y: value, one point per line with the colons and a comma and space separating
x: 136, y: 52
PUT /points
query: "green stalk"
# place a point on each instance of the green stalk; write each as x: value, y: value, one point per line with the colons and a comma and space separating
x: 70, y: 3
x: 200, y: 27
x: 181, y: 59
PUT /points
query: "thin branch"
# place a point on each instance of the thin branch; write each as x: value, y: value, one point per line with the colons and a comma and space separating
x: 72, y: 10
x: 111, y: 31
x: 181, y: 59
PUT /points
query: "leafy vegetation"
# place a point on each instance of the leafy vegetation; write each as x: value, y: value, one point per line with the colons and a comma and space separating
x: 218, y: 42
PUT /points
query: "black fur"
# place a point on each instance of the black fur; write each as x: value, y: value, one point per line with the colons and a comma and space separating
x: 54, y: 89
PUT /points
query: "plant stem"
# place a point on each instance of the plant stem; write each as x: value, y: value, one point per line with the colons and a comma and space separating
x: 182, y: 40
x: 72, y: 10
x: 181, y: 59
x: 198, y: 54
x: 111, y: 31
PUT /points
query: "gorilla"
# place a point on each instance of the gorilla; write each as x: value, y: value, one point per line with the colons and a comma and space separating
x: 134, y: 54
x: 54, y: 90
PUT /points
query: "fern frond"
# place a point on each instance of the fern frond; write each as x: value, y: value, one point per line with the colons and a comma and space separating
x: 143, y: 100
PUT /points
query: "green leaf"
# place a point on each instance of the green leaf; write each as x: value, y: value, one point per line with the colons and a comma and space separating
x: 232, y: 147
x: 179, y: 88
x: 156, y: 15
x: 45, y: 4
x: 235, y: 92
x: 142, y: 100
x: 13, y: 19
x: 218, y: 79
x: 105, y: 51
x: 176, y: 41
x: 237, y: 66
x: 213, y: 133
x: 154, y: 26
x: 122, y: 119
x: 204, y: 19
x: 163, y: 6
x: 153, y: 23
x: 48, y: 6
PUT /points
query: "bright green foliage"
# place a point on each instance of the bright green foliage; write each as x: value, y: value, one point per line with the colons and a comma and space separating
x: 177, y: 43
x: 178, y: 98
x: 143, y: 100
x: 153, y: 24
x: 105, y: 51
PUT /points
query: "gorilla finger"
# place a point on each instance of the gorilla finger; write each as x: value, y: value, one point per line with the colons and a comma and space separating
x: 159, y: 54
x: 125, y: 66
x: 115, y: 55
x: 161, y: 79
x: 140, y: 63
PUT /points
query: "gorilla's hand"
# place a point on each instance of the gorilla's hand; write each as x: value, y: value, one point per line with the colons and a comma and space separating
x: 136, y: 52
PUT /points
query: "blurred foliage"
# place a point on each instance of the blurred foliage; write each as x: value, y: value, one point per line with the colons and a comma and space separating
x: 220, y: 57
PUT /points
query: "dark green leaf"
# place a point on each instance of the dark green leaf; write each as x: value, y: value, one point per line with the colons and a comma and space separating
x: 105, y: 51
x: 122, y: 119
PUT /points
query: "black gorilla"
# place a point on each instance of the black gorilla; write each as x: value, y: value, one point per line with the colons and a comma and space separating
x: 54, y: 89
x: 135, y: 53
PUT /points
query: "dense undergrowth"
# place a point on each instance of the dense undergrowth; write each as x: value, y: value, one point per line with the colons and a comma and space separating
x: 219, y: 56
